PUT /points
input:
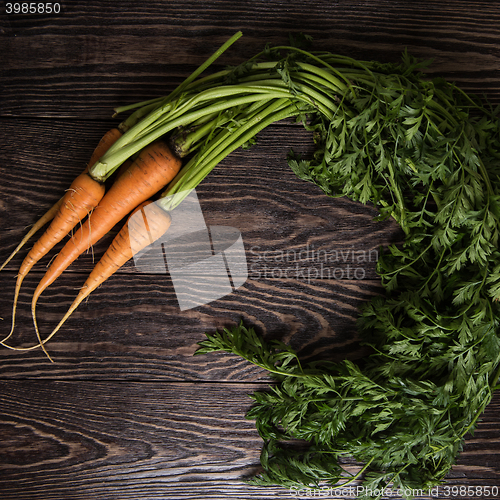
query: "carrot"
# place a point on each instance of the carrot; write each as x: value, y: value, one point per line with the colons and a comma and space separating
x: 44, y: 219
x: 147, y: 223
x: 152, y: 170
x: 123, y: 168
x: 82, y: 196
x: 107, y: 140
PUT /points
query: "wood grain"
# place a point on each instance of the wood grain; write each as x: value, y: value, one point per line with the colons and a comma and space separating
x: 127, y: 411
x: 100, y: 54
x: 132, y: 327
x: 111, y: 440
x: 162, y: 443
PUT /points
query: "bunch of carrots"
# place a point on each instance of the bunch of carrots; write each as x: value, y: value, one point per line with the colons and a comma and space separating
x: 203, y: 120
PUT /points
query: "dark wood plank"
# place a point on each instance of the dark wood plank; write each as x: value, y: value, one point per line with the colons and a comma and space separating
x: 134, y: 440
x: 132, y: 328
x: 109, y: 440
x: 96, y: 55
x: 127, y: 411
x: 293, y: 235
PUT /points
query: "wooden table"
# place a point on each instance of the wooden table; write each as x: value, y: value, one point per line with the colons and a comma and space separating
x: 126, y: 411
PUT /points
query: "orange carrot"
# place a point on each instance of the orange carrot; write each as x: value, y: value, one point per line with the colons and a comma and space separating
x: 141, y: 229
x: 82, y: 196
x: 123, y: 167
x: 104, y: 144
x: 44, y: 219
x: 107, y: 140
x: 152, y: 170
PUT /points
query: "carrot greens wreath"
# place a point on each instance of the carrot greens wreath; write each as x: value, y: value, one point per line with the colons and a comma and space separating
x: 427, y: 154
x: 420, y: 150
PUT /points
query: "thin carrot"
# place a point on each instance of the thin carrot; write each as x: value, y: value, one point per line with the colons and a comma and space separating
x: 107, y: 140
x: 147, y: 223
x: 152, y: 170
x: 44, y: 219
x: 82, y: 196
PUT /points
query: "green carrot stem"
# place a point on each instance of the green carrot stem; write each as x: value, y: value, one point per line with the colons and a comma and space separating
x: 230, y: 134
x: 110, y: 162
x: 142, y: 104
x: 207, y: 63
x: 161, y: 115
x: 191, y: 141
x: 336, y: 84
x: 176, y: 193
x: 222, y: 76
x: 135, y: 117
x: 211, y: 95
x: 344, y: 86
x: 153, y: 126
x: 166, y: 113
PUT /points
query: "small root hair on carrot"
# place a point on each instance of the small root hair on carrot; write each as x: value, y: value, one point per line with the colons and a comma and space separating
x: 51, y: 259
x: 41, y: 343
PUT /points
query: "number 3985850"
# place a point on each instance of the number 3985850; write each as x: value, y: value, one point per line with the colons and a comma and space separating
x: 32, y: 8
